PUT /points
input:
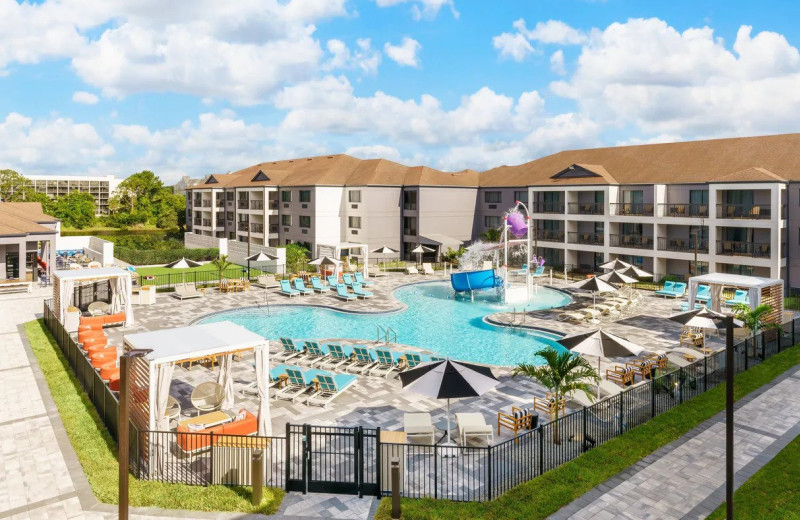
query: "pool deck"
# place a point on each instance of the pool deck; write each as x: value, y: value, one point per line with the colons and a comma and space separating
x: 377, y: 401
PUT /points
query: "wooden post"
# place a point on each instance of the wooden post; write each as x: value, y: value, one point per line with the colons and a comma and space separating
x: 123, y: 429
x: 395, y: 488
x: 258, y: 476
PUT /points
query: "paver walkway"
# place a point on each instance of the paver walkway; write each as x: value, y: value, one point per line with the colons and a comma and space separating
x: 686, y: 479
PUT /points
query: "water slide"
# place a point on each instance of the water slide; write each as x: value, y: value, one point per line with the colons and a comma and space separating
x: 475, y: 280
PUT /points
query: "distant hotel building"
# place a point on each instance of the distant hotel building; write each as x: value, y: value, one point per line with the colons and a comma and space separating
x: 101, y: 188
x: 726, y: 205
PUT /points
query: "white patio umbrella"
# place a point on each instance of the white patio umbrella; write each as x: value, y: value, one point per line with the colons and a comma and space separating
x: 615, y: 264
x: 617, y: 277
x: 595, y: 285
x: 259, y: 257
x: 635, y: 272
x: 703, y: 318
x: 183, y: 263
x: 326, y: 260
x: 384, y: 250
x: 421, y: 249
x: 601, y: 344
x: 449, y: 380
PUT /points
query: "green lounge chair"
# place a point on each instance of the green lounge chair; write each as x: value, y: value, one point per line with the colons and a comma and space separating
x: 300, y: 286
x: 388, y: 362
x: 363, y: 360
x: 316, y: 285
x: 300, y: 382
x: 360, y: 292
x: 315, y: 353
x: 360, y: 278
x: 347, y: 279
x: 330, y: 387
x: 290, y: 351
x: 342, y: 294
x: 413, y: 359
x: 286, y: 289
x: 339, y: 356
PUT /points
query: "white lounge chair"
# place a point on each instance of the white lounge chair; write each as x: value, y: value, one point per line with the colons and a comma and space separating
x: 580, y: 398
x: 411, y: 270
x: 418, y: 426
x: 267, y: 281
x: 472, y: 424
x: 427, y: 269
x: 185, y: 291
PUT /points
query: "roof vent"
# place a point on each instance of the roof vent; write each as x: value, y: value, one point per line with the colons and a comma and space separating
x: 260, y: 176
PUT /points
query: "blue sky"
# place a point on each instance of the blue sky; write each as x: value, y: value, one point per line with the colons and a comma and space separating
x: 201, y: 87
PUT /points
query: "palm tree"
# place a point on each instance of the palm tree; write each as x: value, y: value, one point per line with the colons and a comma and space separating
x: 754, y: 319
x: 222, y: 265
x: 491, y: 235
x: 562, y: 373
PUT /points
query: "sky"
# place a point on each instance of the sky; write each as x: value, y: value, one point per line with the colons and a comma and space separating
x: 91, y: 87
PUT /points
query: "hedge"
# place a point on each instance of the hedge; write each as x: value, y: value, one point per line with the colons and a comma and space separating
x: 156, y: 256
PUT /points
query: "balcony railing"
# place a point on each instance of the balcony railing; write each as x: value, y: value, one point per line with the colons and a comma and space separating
x: 744, y: 211
x: 751, y: 249
x: 595, y: 239
x: 410, y: 231
x: 206, y: 203
x: 257, y: 204
x: 273, y: 228
x: 682, y: 245
x: 198, y: 222
x: 632, y: 209
x: 273, y: 204
x: 207, y: 222
x: 257, y: 228
x: 547, y: 235
x: 242, y: 204
x: 241, y: 226
x: 683, y: 210
x: 634, y: 241
x: 547, y: 207
x: 586, y: 208
x: 220, y: 203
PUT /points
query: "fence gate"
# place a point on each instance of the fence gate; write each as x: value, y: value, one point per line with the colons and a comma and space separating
x: 330, y: 459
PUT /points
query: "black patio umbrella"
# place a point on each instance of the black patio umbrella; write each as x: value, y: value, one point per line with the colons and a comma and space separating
x: 449, y: 380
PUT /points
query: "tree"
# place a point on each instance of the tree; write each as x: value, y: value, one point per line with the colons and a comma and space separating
x: 75, y: 209
x: 491, y: 235
x: 561, y: 373
x: 452, y: 256
x: 295, y: 254
x: 222, y: 265
x: 16, y: 188
x: 144, y: 198
x: 753, y: 319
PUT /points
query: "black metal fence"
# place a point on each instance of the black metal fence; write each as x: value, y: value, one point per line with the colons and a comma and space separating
x: 168, y: 281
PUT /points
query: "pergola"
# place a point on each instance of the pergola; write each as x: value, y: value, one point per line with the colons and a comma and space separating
x: 760, y: 291
x: 335, y: 251
x: 121, y: 288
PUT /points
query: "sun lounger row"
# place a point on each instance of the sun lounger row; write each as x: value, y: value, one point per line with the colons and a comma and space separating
x: 419, y: 428
x: 426, y: 269
x: 672, y: 289
x: 298, y: 287
x: 311, y: 386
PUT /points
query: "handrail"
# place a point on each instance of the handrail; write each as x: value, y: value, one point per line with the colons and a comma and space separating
x: 381, y: 333
x: 391, y: 335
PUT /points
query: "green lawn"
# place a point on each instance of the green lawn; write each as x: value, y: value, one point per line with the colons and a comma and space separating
x: 545, y: 495
x: 96, y: 449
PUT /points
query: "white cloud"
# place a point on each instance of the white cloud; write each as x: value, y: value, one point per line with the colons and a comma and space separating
x: 375, y: 151
x: 422, y: 9
x: 551, y: 31
x: 404, y: 54
x: 44, y: 146
x: 557, y: 63
x: 364, y: 57
x: 84, y: 98
x: 513, y: 46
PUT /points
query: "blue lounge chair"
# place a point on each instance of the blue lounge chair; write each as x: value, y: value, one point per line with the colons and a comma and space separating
x: 360, y: 292
x: 330, y: 386
x: 316, y: 284
x: 332, y: 282
x: 315, y: 353
x: 703, y: 293
x: 300, y: 382
x: 685, y: 306
x: 360, y: 278
x: 286, y: 288
x: 339, y: 355
x: 347, y: 279
x: 668, y: 289
x: 290, y: 350
x: 413, y: 359
x: 301, y: 287
x: 680, y: 289
x: 539, y: 271
x: 363, y: 360
x: 437, y: 358
x: 739, y: 297
x: 388, y: 362
x: 342, y: 294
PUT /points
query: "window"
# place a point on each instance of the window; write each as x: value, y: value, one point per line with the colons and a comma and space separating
x: 354, y: 222
x: 286, y: 196
x: 286, y: 220
x: 229, y: 195
x: 410, y: 200
x: 409, y: 225
x: 490, y: 221
x: 354, y: 196
x: 633, y: 196
x: 243, y: 195
x: 698, y: 196
x: 305, y: 195
x: 230, y: 215
x: 521, y: 196
x: 305, y: 220
x: 492, y: 197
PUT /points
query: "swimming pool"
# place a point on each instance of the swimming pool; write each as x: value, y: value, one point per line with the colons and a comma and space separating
x: 434, y: 320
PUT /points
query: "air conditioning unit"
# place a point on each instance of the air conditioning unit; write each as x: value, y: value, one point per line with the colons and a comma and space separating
x: 286, y: 205
x: 286, y: 230
x: 304, y: 231
x: 354, y: 231
x: 492, y: 206
x: 304, y: 206
x: 353, y: 206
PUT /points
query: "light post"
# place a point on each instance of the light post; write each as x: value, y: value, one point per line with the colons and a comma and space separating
x: 123, y: 429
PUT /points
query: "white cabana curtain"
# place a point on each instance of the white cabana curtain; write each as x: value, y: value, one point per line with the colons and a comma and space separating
x: 225, y: 380
x: 117, y: 286
x: 716, y: 297
x: 754, y: 293
x: 262, y: 383
x: 692, y: 292
x: 127, y: 304
x: 65, y: 297
x: 163, y: 380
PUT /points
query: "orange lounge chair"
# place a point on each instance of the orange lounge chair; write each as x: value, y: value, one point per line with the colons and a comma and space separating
x: 101, y: 357
x: 91, y: 320
x: 95, y: 342
x: 113, y: 384
x: 109, y: 371
x: 86, y: 334
x: 114, y: 319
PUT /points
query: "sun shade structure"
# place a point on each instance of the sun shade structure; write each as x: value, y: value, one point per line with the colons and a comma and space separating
x: 183, y: 263
x: 121, y: 287
x: 261, y: 257
x: 617, y: 277
x: 635, y: 272
x: 449, y: 380
x: 421, y: 249
x: 601, y: 344
x: 615, y: 265
x: 595, y: 285
x: 384, y: 250
x: 760, y: 290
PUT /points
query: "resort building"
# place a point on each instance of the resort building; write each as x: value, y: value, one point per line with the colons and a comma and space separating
x: 101, y: 188
x: 725, y: 205
x: 26, y: 235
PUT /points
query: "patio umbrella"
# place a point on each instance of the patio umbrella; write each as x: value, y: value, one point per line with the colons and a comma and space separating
x: 601, y: 344
x: 615, y: 265
x: 183, y: 263
x: 617, y: 277
x: 595, y: 285
x: 635, y: 272
x: 703, y: 318
x: 449, y: 380
x: 384, y: 250
x: 261, y: 256
x: 326, y: 260
x: 422, y: 249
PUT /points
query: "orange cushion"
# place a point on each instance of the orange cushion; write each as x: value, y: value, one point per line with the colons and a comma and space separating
x: 100, y: 342
x: 91, y: 320
x: 89, y: 326
x: 103, y: 356
x: 86, y: 334
x: 114, y: 384
x: 246, y: 426
x: 109, y: 371
x: 114, y: 318
x: 190, y: 441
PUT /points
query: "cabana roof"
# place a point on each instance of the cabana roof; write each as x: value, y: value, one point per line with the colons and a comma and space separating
x: 181, y: 343
x: 90, y: 273
x: 735, y: 280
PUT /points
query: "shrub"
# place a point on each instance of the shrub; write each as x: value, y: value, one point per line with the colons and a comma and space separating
x: 159, y: 256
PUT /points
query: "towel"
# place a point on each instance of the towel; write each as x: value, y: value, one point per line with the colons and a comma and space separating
x: 195, y: 427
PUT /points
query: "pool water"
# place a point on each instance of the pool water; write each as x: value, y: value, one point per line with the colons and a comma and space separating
x: 435, y: 320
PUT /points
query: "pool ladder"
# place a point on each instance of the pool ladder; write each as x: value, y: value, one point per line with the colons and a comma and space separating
x: 386, y: 334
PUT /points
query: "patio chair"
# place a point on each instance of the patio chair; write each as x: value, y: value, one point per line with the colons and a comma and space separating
x: 692, y: 338
x: 287, y: 290
x: 739, y: 297
x: 419, y: 426
x: 549, y: 404
x: 472, y: 424
x: 98, y: 308
x: 413, y: 359
x: 388, y: 363
x: 658, y: 359
x: 332, y: 282
x: 330, y: 387
x: 299, y: 382
x: 185, y: 291
x: 266, y: 281
x: 411, y: 270
x: 290, y: 350
x: 539, y: 272
x: 342, y: 294
x: 518, y: 419
x: 347, y: 279
x: 427, y: 269
x: 641, y: 367
x: 608, y: 389
x: 207, y: 397
x: 315, y: 353
x: 359, y: 276
x: 363, y: 360
x: 360, y: 292
x: 703, y: 293
x: 173, y: 411
x: 300, y: 287
x: 339, y: 355
x: 667, y: 290
x: 316, y: 285
x: 623, y: 376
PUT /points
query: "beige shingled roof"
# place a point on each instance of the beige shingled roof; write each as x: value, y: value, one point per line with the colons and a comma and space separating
x: 21, y: 218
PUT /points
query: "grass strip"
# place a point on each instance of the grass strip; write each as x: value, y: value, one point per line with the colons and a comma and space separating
x: 544, y: 495
x: 96, y: 450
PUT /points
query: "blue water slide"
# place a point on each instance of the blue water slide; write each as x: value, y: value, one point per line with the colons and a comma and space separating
x: 475, y: 280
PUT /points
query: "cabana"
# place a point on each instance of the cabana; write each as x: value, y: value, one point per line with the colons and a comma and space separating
x: 120, y: 287
x: 337, y: 250
x: 760, y: 291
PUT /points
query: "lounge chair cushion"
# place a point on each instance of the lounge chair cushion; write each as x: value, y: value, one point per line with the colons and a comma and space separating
x: 522, y: 412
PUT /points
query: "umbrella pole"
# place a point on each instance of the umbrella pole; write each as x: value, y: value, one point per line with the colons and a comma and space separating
x: 598, y: 375
x: 449, y: 441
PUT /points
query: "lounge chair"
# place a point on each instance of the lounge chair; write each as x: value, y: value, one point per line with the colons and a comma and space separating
x: 286, y: 289
x: 434, y: 359
x: 330, y: 387
x: 413, y: 359
x: 549, y: 404
x: 472, y: 424
x: 739, y: 297
x: 186, y: 291
x: 419, y: 426
x: 608, y: 389
x: 388, y: 362
x: 290, y: 351
x: 658, y: 359
x: 275, y: 374
x: 363, y: 360
x: 518, y: 419
x: 641, y: 367
x: 375, y: 272
x: 667, y: 290
x: 301, y: 287
x: 411, y: 270
x: 347, y: 279
x: 315, y: 353
x: 266, y: 281
x: 316, y: 285
x: 427, y: 269
x: 339, y: 356
x: 522, y: 271
x: 360, y: 292
x: 359, y: 276
x: 332, y: 282
x: 300, y: 382
x: 703, y: 293
x: 342, y: 294
x: 685, y: 306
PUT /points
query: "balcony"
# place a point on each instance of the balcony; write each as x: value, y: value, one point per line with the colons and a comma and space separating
x: 547, y: 235
x: 257, y: 228
x: 744, y: 211
x: 220, y: 203
x: 683, y: 210
x: 207, y: 222
x: 273, y: 204
x: 206, y: 203
x: 682, y: 245
x: 750, y: 249
x: 243, y: 204
x: 586, y: 208
x: 241, y: 226
x: 273, y: 228
x: 633, y: 241
x: 197, y: 222
x: 547, y: 207
x: 592, y: 239
x: 632, y: 209
x: 257, y: 204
